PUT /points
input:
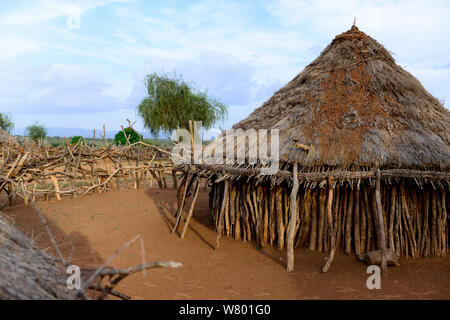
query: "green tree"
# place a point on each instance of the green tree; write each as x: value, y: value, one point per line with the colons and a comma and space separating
x: 36, y: 132
x: 133, y: 137
x: 171, y: 103
x: 75, y: 140
x: 6, y: 123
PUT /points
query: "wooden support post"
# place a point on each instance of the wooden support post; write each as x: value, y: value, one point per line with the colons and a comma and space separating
x: 191, y: 210
x: 221, y: 214
x: 330, y: 226
x: 181, y: 202
x: 356, y: 227
x: 381, y: 232
x: 55, y: 183
x: 191, y: 131
x: 34, y: 191
x: 109, y: 171
x: 292, y: 221
x: 25, y: 195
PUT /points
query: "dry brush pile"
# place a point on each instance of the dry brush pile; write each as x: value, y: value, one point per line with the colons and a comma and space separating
x: 26, y: 272
x: 77, y: 170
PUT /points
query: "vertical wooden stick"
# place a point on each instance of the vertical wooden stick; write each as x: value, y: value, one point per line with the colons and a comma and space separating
x: 279, y: 215
x: 191, y: 131
x: 330, y: 227
x: 313, y: 232
x: 181, y: 201
x: 292, y: 221
x: 348, y: 223
x: 55, y: 183
x: 34, y: 191
x: 381, y: 232
x: 222, y: 211
x: 191, y: 210
x: 391, y: 217
x: 322, y: 205
x: 356, y: 228
x: 363, y: 223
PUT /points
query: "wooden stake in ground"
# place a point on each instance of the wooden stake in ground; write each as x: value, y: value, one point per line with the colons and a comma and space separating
x: 55, y: 183
x: 222, y: 211
x: 292, y: 221
x: 191, y: 131
x: 381, y: 232
x: 191, y: 210
x: 181, y: 201
x: 330, y: 226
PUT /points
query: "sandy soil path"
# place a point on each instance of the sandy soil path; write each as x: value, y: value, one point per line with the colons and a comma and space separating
x: 100, y: 224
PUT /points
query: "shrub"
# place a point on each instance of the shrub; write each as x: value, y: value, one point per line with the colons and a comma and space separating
x: 133, y: 136
x: 75, y: 140
x: 36, y: 132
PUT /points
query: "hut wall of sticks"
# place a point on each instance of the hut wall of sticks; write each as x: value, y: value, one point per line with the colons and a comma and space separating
x: 364, y: 162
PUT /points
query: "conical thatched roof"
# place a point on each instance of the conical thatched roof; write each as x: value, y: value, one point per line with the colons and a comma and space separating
x: 354, y: 106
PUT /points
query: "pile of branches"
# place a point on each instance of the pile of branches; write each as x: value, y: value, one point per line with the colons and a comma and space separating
x: 77, y: 170
x: 26, y: 272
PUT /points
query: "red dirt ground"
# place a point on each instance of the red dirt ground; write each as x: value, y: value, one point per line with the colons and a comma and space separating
x: 100, y: 224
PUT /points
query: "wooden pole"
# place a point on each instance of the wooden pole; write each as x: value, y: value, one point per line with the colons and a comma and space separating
x: 191, y: 131
x: 320, y: 230
x: 330, y: 227
x: 292, y: 221
x: 279, y: 215
x: 391, y: 217
x: 191, y: 210
x: 381, y: 232
x: 221, y: 214
x: 356, y: 228
x: 55, y: 183
x: 181, y: 201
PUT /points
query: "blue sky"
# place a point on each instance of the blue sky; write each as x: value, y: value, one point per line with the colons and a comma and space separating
x: 66, y: 75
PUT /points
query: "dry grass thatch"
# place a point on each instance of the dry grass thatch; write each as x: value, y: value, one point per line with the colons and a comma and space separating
x: 354, y: 106
x: 25, y: 271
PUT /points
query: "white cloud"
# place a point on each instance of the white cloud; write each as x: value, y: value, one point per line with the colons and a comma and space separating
x: 55, y: 88
x: 415, y: 30
x: 12, y: 46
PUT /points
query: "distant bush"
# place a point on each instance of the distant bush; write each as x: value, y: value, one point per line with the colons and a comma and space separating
x: 6, y: 123
x: 133, y: 136
x: 75, y: 140
x: 36, y: 132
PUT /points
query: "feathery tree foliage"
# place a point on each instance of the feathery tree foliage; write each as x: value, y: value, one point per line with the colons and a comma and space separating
x: 36, y: 132
x: 171, y: 103
x: 6, y: 123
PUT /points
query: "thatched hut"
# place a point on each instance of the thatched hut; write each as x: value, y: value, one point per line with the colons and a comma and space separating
x: 26, y: 272
x: 364, y: 161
